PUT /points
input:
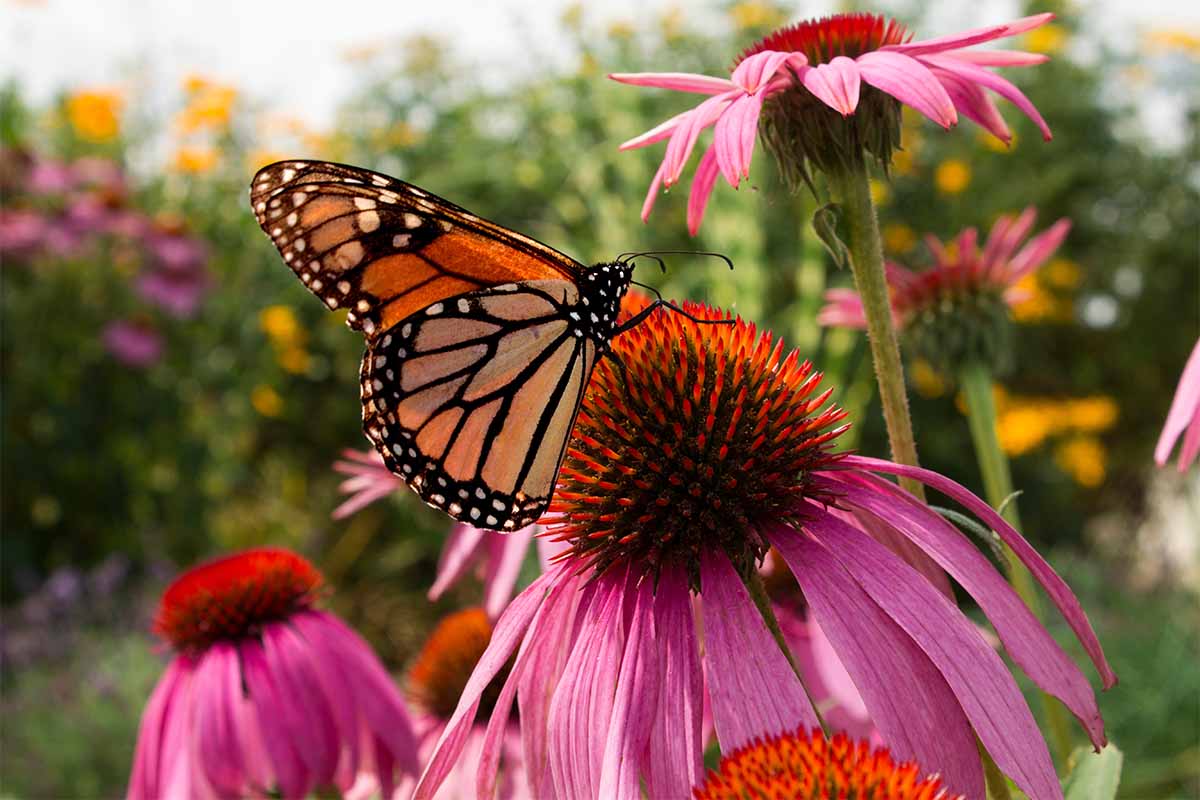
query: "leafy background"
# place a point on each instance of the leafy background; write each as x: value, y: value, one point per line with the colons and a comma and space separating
x: 213, y: 424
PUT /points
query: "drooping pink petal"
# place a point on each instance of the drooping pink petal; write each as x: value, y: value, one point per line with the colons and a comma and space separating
x: 509, y: 630
x: 753, y: 689
x: 972, y: 37
x: 656, y: 134
x: 674, y: 759
x: 1005, y: 235
x: 291, y: 777
x: 1183, y: 415
x: 217, y: 690
x: 974, y: 103
x: 1039, y: 248
x: 652, y: 193
x: 989, y: 696
x: 679, y: 81
x: 759, y: 69
x: 508, y: 551
x: 910, y: 82
x: 999, y: 58
x: 636, y: 703
x: 835, y: 84
x: 702, y: 186
x: 843, y: 308
x: 733, y: 137
x: 314, y: 731
x: 902, y: 546
x: 683, y: 141
x: 147, y: 779
x: 1062, y: 596
x: 997, y: 84
x: 909, y: 700
x: 457, y: 556
x: 1027, y: 641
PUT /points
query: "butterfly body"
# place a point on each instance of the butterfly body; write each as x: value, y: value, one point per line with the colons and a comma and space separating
x: 480, y: 340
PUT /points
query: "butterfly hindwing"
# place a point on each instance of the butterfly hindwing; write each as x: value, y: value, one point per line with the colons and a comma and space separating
x: 385, y: 249
x: 472, y: 400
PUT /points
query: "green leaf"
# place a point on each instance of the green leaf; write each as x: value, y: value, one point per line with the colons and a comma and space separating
x: 1095, y: 776
x: 825, y: 223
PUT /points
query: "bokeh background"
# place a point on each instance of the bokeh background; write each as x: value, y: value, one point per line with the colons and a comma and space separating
x: 170, y: 391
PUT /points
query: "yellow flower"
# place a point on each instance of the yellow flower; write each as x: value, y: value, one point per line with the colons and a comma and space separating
x: 1036, y: 303
x: 1084, y: 459
x: 926, y: 379
x: 209, y: 108
x: 266, y: 401
x: 1063, y: 273
x: 1092, y: 414
x: 880, y: 191
x: 898, y: 238
x: 1047, y: 39
x: 672, y: 22
x: 280, y: 323
x: 621, y: 29
x: 95, y: 114
x: 904, y: 161
x: 752, y: 14
x: 995, y: 143
x: 257, y: 159
x: 1186, y: 41
x: 1023, y: 428
x: 195, y: 159
x: 572, y: 17
x: 952, y: 176
x: 294, y: 360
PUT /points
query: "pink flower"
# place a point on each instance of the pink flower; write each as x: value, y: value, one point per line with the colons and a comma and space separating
x: 496, y: 558
x: 716, y: 447
x: 266, y: 694
x: 960, y: 270
x: 133, y: 344
x: 841, y: 61
x: 1184, y: 415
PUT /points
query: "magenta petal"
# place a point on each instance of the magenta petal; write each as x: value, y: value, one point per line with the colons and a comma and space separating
x: 674, y: 758
x: 910, y: 82
x: 652, y: 192
x: 636, y: 702
x: 971, y: 37
x: 702, y: 186
x: 656, y: 134
x: 1062, y: 596
x: 975, y: 673
x: 683, y: 140
x: 999, y: 58
x: 835, y: 84
x: 997, y: 84
x: 753, y: 688
x: 508, y: 552
x: 733, y: 137
x: 146, y: 781
x: 457, y: 556
x: 974, y: 103
x: 902, y: 546
x: 679, y: 81
x: 291, y: 777
x: 757, y: 70
x: 908, y: 699
x: 1039, y: 248
x: 1027, y: 641
x: 217, y: 690
x: 509, y: 630
x: 1184, y: 413
x: 304, y: 710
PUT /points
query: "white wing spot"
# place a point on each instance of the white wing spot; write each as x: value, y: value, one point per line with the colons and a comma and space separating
x: 379, y: 180
x: 444, y: 225
x: 261, y: 207
x: 343, y: 287
x: 435, y: 309
x: 288, y: 174
x: 401, y: 239
x: 368, y: 221
x: 377, y: 385
x: 380, y: 361
x: 412, y: 221
x: 293, y: 218
x: 363, y: 306
x: 463, y: 305
x: 300, y: 244
x: 364, y: 203
x: 298, y: 198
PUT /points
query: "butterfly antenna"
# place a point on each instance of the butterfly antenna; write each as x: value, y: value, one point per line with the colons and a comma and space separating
x: 655, y: 253
x: 648, y: 288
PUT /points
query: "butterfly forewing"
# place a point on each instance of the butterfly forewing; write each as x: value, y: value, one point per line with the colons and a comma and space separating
x: 385, y: 249
x: 472, y: 400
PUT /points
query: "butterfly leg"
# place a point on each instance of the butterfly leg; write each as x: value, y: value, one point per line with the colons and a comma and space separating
x: 639, y: 317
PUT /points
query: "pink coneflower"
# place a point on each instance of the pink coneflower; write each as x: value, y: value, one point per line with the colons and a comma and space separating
x: 133, y: 343
x: 827, y: 90
x: 715, y: 447
x: 804, y: 765
x: 496, y: 558
x: 1184, y: 415
x: 266, y: 695
x: 958, y: 307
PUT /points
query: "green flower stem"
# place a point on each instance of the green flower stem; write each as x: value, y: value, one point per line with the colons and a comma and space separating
x: 975, y: 378
x: 997, y: 784
x: 852, y: 191
x: 758, y: 591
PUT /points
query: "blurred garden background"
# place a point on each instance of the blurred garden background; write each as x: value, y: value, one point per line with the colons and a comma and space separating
x: 170, y: 391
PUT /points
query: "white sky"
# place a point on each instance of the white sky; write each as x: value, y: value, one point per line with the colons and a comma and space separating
x: 292, y: 51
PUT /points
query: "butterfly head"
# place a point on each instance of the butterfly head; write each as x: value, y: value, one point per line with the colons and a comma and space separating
x: 600, y: 292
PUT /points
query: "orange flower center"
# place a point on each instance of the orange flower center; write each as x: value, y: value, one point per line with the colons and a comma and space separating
x: 232, y: 597
x: 821, y: 40
x: 807, y: 766
x: 437, y: 678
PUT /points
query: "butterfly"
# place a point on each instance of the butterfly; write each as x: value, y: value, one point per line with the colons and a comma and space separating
x: 480, y: 340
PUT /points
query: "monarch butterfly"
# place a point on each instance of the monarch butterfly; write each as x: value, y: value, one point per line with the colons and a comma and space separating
x: 480, y: 340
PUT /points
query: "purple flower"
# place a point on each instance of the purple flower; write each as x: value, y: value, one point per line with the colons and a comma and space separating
x: 265, y: 694
x: 49, y: 177
x: 133, y: 344
x: 21, y: 232
x: 1183, y: 416
x: 178, y: 293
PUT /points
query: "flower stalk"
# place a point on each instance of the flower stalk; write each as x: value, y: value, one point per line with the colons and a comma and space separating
x: 851, y: 189
x: 975, y: 378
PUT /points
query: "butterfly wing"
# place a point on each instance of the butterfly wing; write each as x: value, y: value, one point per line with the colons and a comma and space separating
x: 472, y: 400
x: 385, y: 249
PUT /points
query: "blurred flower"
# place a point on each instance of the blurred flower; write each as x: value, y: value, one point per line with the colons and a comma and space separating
x: 1048, y: 39
x: 804, y: 764
x: 1187, y: 42
x: 209, y: 107
x: 1023, y: 428
x: 266, y: 694
x: 294, y: 360
x: 21, y: 232
x: 280, y: 324
x: 829, y: 60
x: 179, y: 293
x: 621, y: 29
x: 176, y: 251
x: 266, y: 401
x: 880, y: 191
x: 927, y: 381
x: 95, y: 114
x: 898, y: 238
x: 1183, y: 416
x: 958, y: 309
x: 436, y: 680
x: 997, y: 145
x: 710, y: 446
x: 133, y: 344
x: 1063, y: 273
x: 50, y: 177
x: 755, y: 14
x: 952, y: 176
x: 495, y: 557
x: 195, y: 160
x: 1084, y: 459
x: 1024, y: 423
